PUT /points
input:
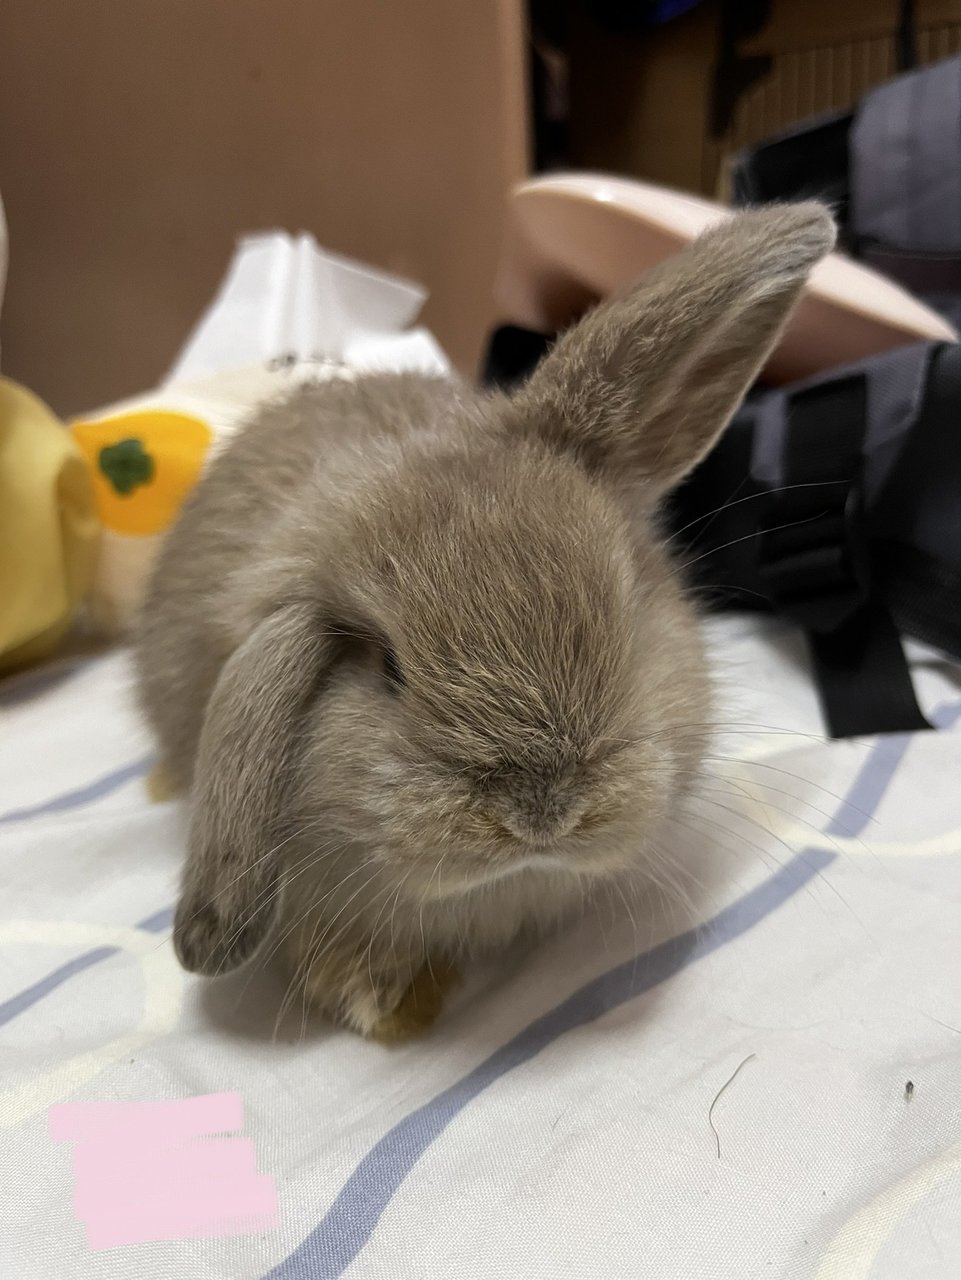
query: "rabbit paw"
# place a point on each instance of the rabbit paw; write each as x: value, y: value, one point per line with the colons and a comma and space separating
x: 160, y: 784
x: 382, y: 1005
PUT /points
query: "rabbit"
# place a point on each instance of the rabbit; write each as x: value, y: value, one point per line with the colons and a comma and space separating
x: 419, y: 655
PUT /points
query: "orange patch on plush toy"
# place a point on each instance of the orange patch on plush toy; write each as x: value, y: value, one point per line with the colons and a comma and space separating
x: 144, y: 465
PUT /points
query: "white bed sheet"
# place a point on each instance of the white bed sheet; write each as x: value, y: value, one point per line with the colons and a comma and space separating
x: 555, y: 1124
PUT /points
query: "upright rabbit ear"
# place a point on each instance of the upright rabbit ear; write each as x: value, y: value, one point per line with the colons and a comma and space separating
x: 231, y: 882
x: 646, y: 382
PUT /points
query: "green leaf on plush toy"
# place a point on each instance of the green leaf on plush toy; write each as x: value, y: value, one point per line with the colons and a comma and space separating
x: 127, y: 465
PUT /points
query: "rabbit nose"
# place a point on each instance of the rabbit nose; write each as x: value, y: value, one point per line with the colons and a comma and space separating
x: 535, y: 803
x: 542, y: 820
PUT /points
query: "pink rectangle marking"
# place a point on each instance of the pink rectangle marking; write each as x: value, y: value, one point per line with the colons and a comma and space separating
x: 149, y: 1171
x: 149, y: 1121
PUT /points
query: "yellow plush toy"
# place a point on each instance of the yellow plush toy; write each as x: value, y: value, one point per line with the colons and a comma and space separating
x: 49, y: 529
x: 143, y: 464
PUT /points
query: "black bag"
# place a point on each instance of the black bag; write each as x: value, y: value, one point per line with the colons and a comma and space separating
x: 836, y: 503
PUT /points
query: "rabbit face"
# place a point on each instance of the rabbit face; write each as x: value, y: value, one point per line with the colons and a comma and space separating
x: 513, y: 690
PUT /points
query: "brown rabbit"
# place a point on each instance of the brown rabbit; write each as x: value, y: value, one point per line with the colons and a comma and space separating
x: 419, y: 655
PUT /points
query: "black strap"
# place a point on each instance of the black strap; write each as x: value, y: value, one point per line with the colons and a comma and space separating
x: 916, y: 521
x: 906, y: 40
x: 735, y: 73
x: 862, y: 676
x: 816, y: 568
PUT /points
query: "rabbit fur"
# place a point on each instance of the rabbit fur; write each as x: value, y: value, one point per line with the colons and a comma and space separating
x: 418, y: 654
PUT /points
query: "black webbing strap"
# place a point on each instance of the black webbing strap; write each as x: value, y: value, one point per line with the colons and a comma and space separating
x: 906, y: 40
x: 916, y: 526
x: 815, y: 565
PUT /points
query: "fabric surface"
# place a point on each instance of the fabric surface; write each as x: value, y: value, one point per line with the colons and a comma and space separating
x: 568, y: 1116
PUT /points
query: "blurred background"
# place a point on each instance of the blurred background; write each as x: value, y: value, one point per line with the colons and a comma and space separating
x: 139, y: 138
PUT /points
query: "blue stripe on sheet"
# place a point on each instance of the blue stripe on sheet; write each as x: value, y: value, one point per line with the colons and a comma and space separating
x: 86, y: 794
x: 333, y: 1245
x: 25, y: 999
x: 159, y: 921
x: 868, y: 788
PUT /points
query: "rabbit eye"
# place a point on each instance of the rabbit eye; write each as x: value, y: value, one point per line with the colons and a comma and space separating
x: 392, y: 672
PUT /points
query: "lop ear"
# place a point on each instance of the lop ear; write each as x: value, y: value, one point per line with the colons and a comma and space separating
x: 646, y: 382
x: 231, y: 883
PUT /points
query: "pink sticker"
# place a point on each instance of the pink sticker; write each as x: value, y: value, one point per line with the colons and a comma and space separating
x: 152, y: 1171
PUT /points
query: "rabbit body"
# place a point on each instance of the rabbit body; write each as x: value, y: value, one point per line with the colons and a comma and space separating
x: 419, y: 656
